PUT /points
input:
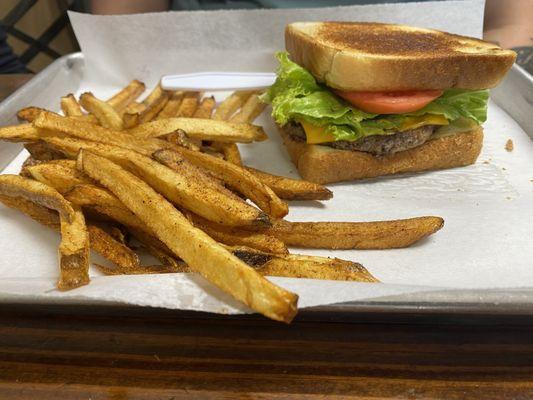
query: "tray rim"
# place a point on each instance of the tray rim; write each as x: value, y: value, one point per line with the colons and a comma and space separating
x: 488, y: 307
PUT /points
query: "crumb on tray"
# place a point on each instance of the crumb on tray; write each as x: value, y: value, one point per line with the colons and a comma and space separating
x: 509, y: 146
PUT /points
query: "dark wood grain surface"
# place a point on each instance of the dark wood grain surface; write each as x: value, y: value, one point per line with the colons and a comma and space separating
x: 119, y: 353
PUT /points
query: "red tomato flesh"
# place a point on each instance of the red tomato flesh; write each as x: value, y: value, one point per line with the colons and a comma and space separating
x: 390, y: 102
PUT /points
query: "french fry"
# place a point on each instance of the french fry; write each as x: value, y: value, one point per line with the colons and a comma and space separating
x: 134, y: 108
x: 153, y: 104
x: 74, y: 245
x: 144, y: 269
x: 44, y: 195
x: 356, y: 235
x: 87, y: 131
x: 250, y: 110
x: 105, y: 113
x: 73, y: 252
x: 126, y: 96
x: 171, y: 108
x: 231, y: 104
x: 292, y: 189
x: 154, y: 96
x: 230, y: 151
x: 197, y: 249
x: 42, y: 215
x: 62, y: 175
x: 29, y: 113
x: 70, y: 106
x: 289, y: 266
x: 103, y: 202
x: 301, y: 266
x: 205, y: 109
x: 157, y: 249
x: 42, y: 151
x: 19, y: 133
x: 203, y: 129
x: 124, y: 258
x: 179, y: 138
x: 239, y: 237
x: 236, y: 177
x: 185, y: 185
x: 189, y: 105
x: 28, y: 162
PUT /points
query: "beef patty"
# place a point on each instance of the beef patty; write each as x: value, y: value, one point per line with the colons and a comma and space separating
x: 376, y: 144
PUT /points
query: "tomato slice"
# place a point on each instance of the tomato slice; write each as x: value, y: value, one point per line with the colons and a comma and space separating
x: 390, y: 102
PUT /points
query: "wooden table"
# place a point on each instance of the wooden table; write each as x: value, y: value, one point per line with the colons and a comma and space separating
x: 69, y: 352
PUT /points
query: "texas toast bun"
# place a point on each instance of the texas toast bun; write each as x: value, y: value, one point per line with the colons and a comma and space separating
x: 324, y: 164
x: 376, y: 57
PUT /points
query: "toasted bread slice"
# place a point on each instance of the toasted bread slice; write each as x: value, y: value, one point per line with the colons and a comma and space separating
x: 376, y: 57
x: 323, y: 164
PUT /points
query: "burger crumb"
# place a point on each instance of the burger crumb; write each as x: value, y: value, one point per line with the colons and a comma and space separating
x: 486, y: 162
x: 509, y: 146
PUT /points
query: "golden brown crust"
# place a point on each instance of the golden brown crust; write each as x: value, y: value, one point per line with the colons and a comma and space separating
x: 323, y: 164
x: 370, y: 56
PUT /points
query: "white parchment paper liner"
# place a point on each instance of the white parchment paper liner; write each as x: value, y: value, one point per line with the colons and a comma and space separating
x: 487, y: 207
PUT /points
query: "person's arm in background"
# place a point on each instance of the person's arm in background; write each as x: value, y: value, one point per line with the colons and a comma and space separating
x: 510, y: 24
x: 105, y: 7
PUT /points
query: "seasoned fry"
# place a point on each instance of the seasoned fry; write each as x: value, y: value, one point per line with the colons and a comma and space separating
x: 73, y: 252
x: 103, y: 202
x: 228, y: 107
x: 62, y: 175
x: 153, y: 108
x: 173, y: 105
x: 179, y: 138
x: 356, y: 235
x: 84, y: 130
x: 126, y: 96
x: 301, y: 266
x: 292, y: 189
x: 28, y: 162
x: 205, y: 109
x: 74, y: 246
x: 70, y: 106
x: 42, y: 151
x: 230, y: 151
x: 42, y: 215
x: 44, y: 195
x: 289, y: 266
x: 197, y: 249
x: 250, y: 110
x: 236, y: 177
x: 29, y: 113
x: 239, y: 237
x: 134, y: 108
x: 154, y: 95
x: 157, y: 249
x: 145, y: 269
x: 153, y: 104
x: 105, y: 113
x: 118, y: 253
x: 185, y: 185
x: 203, y: 129
x: 189, y: 105
x: 19, y: 133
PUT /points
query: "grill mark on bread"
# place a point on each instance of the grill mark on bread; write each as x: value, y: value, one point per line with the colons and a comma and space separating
x: 383, y: 39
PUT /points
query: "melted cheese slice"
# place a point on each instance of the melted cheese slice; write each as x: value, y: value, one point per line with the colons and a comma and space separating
x: 317, y: 134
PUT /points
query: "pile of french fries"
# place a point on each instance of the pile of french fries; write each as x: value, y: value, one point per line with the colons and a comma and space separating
x: 164, y: 176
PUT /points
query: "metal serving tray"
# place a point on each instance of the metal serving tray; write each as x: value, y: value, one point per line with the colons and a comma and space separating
x: 514, y: 95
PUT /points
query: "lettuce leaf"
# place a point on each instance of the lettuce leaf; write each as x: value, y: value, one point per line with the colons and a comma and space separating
x: 296, y: 95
